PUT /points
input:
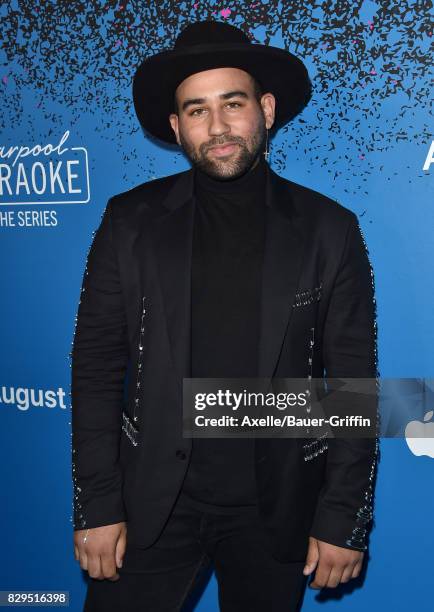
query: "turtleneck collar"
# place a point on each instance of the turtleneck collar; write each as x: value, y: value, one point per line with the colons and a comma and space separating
x: 251, y: 181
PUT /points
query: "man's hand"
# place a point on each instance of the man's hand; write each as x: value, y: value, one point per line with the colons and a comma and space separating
x: 103, y: 550
x: 335, y: 564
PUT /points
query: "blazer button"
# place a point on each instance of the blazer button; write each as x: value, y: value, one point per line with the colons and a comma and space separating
x: 181, y: 454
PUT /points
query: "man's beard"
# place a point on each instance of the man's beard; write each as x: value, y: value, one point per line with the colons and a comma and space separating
x: 240, y: 162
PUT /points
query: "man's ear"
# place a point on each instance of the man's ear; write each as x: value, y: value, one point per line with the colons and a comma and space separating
x: 173, y: 118
x: 268, y: 103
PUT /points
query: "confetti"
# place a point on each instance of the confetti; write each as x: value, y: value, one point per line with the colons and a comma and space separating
x: 99, y: 44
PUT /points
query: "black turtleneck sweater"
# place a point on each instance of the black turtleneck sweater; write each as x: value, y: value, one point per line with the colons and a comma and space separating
x: 228, y: 243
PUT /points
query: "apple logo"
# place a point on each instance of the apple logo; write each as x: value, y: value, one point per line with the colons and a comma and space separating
x: 420, y: 436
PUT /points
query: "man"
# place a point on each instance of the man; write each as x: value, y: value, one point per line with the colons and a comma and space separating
x: 225, y: 270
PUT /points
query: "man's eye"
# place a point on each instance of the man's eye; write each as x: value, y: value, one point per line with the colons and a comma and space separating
x: 234, y: 104
x: 197, y: 111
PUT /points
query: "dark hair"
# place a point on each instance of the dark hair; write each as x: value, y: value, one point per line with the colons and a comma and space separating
x: 257, y: 92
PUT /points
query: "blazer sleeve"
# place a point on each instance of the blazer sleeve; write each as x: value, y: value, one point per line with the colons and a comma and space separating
x: 99, y: 361
x: 344, y: 509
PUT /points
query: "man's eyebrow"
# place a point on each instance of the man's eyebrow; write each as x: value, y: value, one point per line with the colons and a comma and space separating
x: 223, y: 96
x: 233, y: 94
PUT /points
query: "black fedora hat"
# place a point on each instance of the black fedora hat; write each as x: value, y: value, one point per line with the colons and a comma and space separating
x: 205, y: 45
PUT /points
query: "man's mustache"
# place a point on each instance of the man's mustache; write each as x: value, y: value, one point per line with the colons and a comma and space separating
x: 220, y: 143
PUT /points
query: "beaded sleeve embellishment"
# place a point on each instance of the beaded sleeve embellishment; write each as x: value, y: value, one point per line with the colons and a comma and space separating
x: 365, y: 513
x: 78, y: 520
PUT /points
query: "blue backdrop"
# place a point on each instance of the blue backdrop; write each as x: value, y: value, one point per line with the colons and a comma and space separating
x: 70, y: 140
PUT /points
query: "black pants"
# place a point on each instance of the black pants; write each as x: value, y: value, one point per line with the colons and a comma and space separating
x: 166, y: 576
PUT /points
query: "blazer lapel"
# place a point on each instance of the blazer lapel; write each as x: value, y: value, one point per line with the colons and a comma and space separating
x: 283, y: 256
x: 172, y: 237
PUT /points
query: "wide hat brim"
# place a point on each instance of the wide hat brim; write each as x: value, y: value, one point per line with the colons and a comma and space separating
x: 157, y: 77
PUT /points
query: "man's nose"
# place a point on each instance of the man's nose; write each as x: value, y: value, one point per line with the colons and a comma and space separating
x: 217, y: 125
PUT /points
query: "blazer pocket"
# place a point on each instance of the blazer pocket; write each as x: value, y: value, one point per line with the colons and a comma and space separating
x: 307, y: 296
x: 315, y: 447
x: 129, y: 428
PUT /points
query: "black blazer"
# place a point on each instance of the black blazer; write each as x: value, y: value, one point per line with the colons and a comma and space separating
x: 131, y: 351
